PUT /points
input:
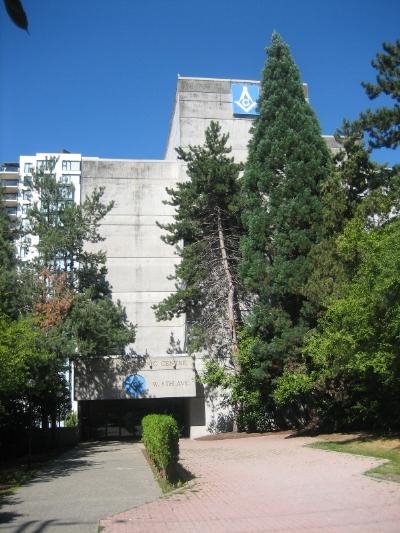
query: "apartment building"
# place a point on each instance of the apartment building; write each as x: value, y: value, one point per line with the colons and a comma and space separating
x: 9, y: 182
x: 65, y: 166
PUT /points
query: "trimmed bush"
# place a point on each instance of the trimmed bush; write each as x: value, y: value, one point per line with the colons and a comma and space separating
x: 160, y: 436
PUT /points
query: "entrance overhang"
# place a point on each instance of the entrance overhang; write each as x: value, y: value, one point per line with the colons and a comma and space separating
x: 127, y: 377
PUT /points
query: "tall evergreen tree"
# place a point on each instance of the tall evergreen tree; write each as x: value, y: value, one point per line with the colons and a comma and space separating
x: 8, y: 264
x: 349, y: 375
x: 287, y: 164
x: 206, y: 232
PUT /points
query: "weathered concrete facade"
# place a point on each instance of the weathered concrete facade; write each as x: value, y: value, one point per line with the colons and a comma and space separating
x: 138, y: 261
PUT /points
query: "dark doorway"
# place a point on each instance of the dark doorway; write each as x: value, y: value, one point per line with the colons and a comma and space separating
x: 115, y: 419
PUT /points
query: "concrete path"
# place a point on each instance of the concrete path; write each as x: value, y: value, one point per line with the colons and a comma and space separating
x: 269, y: 483
x: 82, y: 486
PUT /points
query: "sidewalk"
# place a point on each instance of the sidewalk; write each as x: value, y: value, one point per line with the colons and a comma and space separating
x: 269, y: 483
x: 80, y: 487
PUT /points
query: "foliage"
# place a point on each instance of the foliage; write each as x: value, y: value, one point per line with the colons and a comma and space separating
x: 98, y: 326
x: 356, y: 187
x: 32, y: 385
x: 288, y: 164
x: 8, y: 265
x: 69, y: 290
x: 207, y: 224
x: 64, y: 228
x: 351, y: 366
x: 19, y: 347
x: 16, y: 13
x: 350, y: 372
x: 160, y: 437
x: 62, y: 304
x: 382, y: 125
x: 71, y: 420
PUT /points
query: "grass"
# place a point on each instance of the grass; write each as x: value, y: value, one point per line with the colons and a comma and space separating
x: 381, y: 447
x: 178, y: 479
x: 12, y: 477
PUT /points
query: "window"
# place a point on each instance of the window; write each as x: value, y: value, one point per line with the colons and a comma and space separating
x: 25, y: 224
x: 42, y: 164
x: 9, y: 183
x: 67, y: 192
x: 11, y: 210
x: 66, y: 178
x: 27, y: 181
x: 27, y: 196
x: 24, y: 251
x: 10, y: 196
x: 28, y: 168
x: 71, y: 165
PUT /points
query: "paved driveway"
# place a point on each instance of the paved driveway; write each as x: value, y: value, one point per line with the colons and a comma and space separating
x: 269, y: 483
x: 82, y: 486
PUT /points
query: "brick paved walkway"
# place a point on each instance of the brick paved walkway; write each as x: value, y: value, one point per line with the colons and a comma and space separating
x: 269, y: 483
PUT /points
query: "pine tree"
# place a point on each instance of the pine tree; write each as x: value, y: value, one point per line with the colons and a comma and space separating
x: 287, y: 164
x: 8, y: 264
x: 382, y: 125
x: 206, y: 232
x: 349, y: 374
x: 69, y: 282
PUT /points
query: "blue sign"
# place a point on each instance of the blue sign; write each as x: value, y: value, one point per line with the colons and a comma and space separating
x: 245, y: 98
x: 135, y: 385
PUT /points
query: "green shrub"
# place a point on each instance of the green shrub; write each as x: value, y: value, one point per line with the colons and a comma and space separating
x: 161, y: 439
x: 71, y: 420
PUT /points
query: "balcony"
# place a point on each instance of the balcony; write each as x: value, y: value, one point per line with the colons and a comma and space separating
x: 10, y: 199
x: 9, y: 185
x: 11, y: 169
x: 12, y: 211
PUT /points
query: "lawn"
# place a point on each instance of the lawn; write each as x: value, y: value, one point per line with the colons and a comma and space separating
x: 381, y: 447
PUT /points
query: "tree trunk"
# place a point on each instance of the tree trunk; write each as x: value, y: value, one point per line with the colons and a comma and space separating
x: 231, y: 296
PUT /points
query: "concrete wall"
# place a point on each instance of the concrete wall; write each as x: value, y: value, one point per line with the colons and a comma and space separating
x: 138, y: 262
x: 200, y: 100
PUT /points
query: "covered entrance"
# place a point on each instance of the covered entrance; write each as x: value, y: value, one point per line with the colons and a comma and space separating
x: 115, y: 393
x: 115, y: 419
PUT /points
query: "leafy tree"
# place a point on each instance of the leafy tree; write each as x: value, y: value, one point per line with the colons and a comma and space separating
x: 356, y: 186
x: 30, y: 375
x: 206, y: 230
x: 350, y: 373
x: 287, y: 165
x: 382, y: 125
x: 8, y: 264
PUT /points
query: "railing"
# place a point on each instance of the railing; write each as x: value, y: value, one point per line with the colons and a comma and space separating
x: 9, y: 168
x: 9, y: 183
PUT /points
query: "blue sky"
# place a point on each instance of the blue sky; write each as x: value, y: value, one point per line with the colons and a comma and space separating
x: 98, y: 77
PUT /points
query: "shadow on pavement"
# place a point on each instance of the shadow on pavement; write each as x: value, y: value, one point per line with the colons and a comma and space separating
x: 36, y: 526
x: 65, y: 464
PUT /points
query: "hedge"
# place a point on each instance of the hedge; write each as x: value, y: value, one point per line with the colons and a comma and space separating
x: 160, y: 436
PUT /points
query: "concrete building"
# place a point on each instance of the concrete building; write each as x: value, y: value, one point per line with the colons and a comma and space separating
x: 160, y: 376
